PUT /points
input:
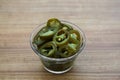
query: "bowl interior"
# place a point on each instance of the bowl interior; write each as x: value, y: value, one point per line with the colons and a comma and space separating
x: 37, y: 29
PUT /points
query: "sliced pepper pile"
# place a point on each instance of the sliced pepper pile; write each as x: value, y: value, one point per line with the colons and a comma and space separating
x: 57, y: 40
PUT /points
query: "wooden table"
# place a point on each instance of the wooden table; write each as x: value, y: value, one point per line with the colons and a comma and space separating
x: 99, y: 19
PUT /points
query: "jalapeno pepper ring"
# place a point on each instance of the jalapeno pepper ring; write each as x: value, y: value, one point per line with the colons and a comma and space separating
x: 48, y: 49
x: 54, y: 23
x: 67, y: 27
x: 65, y: 51
x: 61, y: 37
x: 37, y: 41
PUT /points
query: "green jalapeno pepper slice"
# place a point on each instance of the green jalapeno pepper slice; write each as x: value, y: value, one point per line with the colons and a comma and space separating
x: 74, y: 45
x: 37, y: 41
x: 61, y: 37
x: 49, y: 49
x: 66, y: 27
x: 75, y: 40
x: 74, y: 34
x: 69, y: 49
x: 65, y: 51
x: 54, y: 23
x: 47, y: 33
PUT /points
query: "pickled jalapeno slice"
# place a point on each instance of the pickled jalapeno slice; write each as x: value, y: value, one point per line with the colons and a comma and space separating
x: 67, y: 27
x: 65, y: 51
x: 54, y: 23
x: 48, y: 49
x: 37, y: 40
x: 74, y: 34
x: 76, y: 37
x: 61, y: 37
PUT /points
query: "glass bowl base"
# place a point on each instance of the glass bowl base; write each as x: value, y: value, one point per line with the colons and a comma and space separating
x: 57, y: 72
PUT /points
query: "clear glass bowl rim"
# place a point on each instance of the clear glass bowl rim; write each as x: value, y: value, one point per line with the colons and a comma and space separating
x: 58, y: 59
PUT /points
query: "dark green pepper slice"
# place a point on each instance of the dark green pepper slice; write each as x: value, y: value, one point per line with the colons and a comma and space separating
x: 66, y: 27
x: 61, y: 37
x: 37, y: 41
x: 54, y: 23
x: 65, y: 51
x: 48, y: 49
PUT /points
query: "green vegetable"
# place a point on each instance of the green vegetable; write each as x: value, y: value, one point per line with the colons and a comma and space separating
x: 57, y: 40
x: 74, y: 34
x: 47, y: 33
x: 65, y: 51
x: 37, y: 41
x: 48, y: 49
x: 61, y: 37
x: 67, y: 27
x: 54, y: 23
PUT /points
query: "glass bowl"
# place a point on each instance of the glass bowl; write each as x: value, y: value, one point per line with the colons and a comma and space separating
x: 57, y: 65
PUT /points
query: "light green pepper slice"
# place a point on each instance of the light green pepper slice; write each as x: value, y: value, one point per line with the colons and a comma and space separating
x: 47, y: 33
x: 74, y: 34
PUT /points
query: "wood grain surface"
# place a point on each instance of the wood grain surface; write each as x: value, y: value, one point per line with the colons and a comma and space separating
x: 99, y: 19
